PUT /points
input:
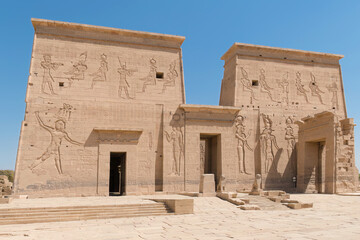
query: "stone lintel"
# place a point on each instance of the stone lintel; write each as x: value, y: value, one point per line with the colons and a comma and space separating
x: 209, y: 108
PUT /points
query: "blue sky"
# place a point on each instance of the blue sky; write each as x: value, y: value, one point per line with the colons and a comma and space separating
x: 210, y: 28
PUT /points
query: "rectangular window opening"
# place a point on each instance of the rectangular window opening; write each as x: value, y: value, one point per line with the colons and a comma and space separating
x: 61, y: 84
x: 159, y: 75
x: 255, y: 83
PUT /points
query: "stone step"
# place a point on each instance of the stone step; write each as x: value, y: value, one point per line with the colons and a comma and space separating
x: 99, y: 211
x: 76, y: 218
x: 75, y: 213
x: 115, y: 208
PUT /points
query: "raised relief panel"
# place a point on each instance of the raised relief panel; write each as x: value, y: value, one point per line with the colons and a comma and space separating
x: 100, y: 74
x: 242, y: 144
x: 58, y: 133
x: 284, y: 84
x: 301, y: 91
x: 175, y: 137
x: 48, y: 66
x: 268, y: 145
x: 247, y: 84
x: 314, y: 88
x: 124, y: 82
x: 77, y: 71
x: 264, y: 86
x: 150, y: 79
x: 170, y: 77
x: 333, y: 88
x: 291, y: 143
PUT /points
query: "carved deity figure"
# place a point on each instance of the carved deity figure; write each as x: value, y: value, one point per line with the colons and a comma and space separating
x: 242, y: 142
x: 268, y: 142
x: 334, y: 100
x: 58, y: 133
x: 247, y: 85
x: 100, y: 74
x: 301, y: 91
x: 123, y: 83
x: 177, y: 140
x: 170, y: 77
x: 77, y: 72
x: 264, y: 87
x: 48, y: 65
x: 202, y: 158
x: 284, y: 84
x: 315, y: 90
x: 150, y: 79
x: 290, y: 138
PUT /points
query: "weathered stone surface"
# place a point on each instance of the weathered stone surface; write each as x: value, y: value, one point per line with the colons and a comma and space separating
x: 249, y: 207
x: 105, y: 103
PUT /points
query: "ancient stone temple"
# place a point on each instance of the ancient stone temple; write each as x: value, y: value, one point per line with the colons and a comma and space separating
x: 106, y: 114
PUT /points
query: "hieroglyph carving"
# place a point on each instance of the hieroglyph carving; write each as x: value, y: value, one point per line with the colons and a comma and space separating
x: 242, y: 143
x: 268, y: 142
x: 177, y: 140
x: 291, y: 142
x: 100, y: 74
x: 150, y: 79
x: 301, y: 91
x: 170, y: 77
x: 48, y: 65
x: 284, y: 84
x: 315, y: 90
x: 77, y: 72
x: 202, y: 157
x: 58, y: 133
x: 124, y: 85
x: 264, y: 87
x: 334, y: 99
x: 247, y: 84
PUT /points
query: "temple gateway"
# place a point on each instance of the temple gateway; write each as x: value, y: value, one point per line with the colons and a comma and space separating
x: 106, y: 115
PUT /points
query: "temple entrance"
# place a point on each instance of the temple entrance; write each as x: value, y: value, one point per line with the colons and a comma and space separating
x: 210, y: 156
x: 117, y: 173
x: 315, y: 167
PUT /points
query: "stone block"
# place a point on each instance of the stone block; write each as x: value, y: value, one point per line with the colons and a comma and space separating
x: 289, y: 201
x: 207, y: 184
x: 249, y: 207
x: 306, y: 205
x: 294, y: 205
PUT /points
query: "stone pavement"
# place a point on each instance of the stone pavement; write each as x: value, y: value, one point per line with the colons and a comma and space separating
x: 332, y: 217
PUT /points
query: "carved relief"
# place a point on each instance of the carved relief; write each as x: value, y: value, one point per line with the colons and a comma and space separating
x: 150, y: 79
x: 334, y: 99
x: 176, y: 138
x: 264, y: 87
x: 284, y: 84
x: 315, y: 90
x: 100, y: 74
x: 268, y: 142
x: 58, y: 133
x: 170, y: 77
x: 246, y: 82
x: 291, y: 142
x: 48, y: 65
x: 124, y: 85
x: 301, y: 91
x: 242, y: 143
x: 77, y: 72
x: 202, y: 157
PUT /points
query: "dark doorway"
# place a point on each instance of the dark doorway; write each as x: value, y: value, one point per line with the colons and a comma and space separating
x: 210, y: 156
x: 117, y: 174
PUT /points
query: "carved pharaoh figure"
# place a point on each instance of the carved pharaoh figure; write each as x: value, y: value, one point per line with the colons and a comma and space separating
x: 58, y: 133
x: 100, y: 74
x: 333, y: 89
x: 150, y: 79
x: 170, y: 77
x: 291, y: 142
x: 242, y: 143
x: 48, y: 65
x: 177, y: 140
x: 77, y: 72
x: 300, y: 88
x: 268, y: 142
x: 284, y: 84
x: 246, y: 82
x: 123, y: 83
x: 315, y: 90
x: 264, y: 87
